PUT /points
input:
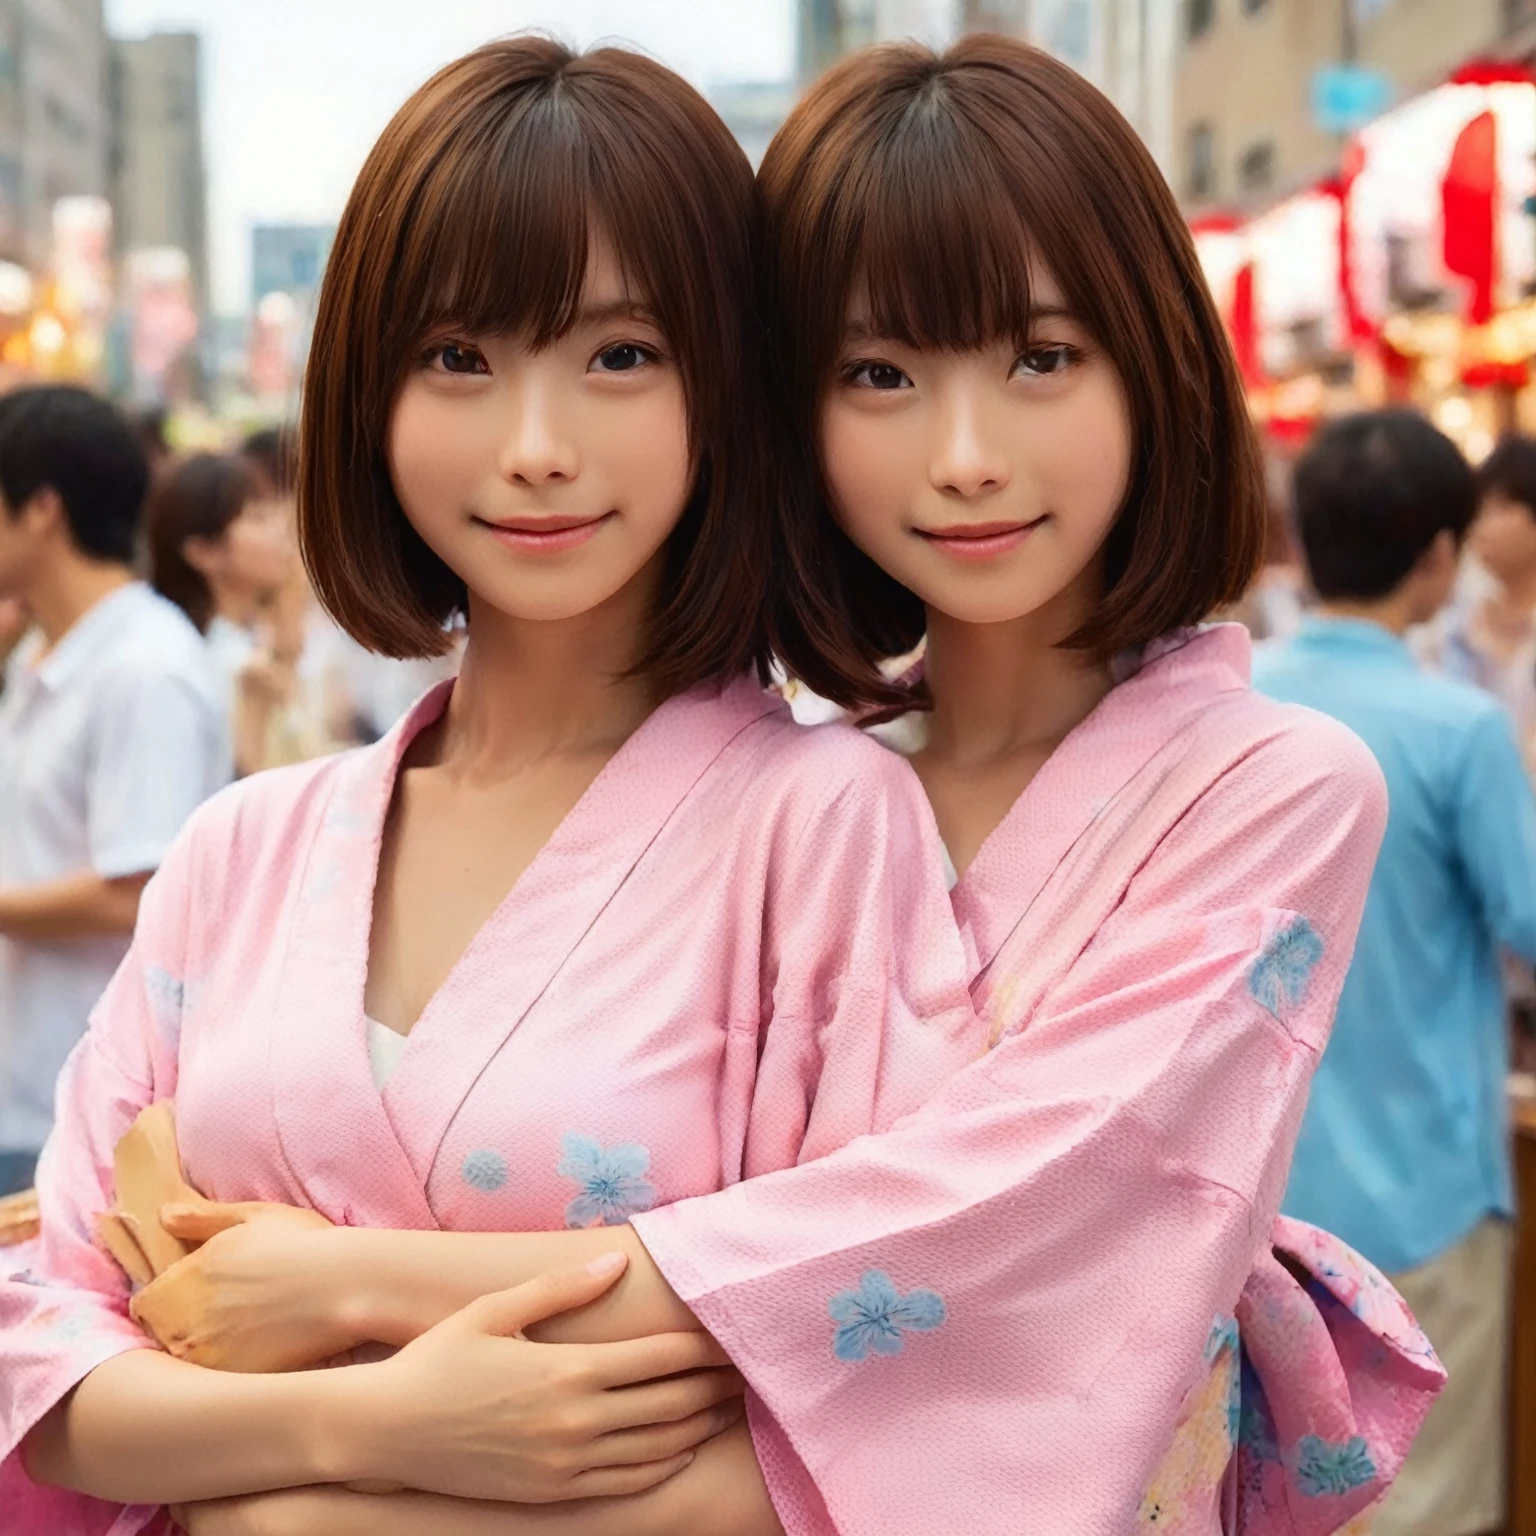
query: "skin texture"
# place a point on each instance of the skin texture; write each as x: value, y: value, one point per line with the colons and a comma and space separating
x: 487, y: 432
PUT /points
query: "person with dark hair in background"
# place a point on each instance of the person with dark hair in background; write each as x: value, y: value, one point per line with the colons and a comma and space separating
x: 1488, y: 636
x: 1404, y: 1149
x: 222, y: 547
x: 110, y: 735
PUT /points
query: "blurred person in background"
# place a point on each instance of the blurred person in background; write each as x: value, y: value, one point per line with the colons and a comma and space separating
x: 1272, y: 607
x: 1404, y: 1150
x: 1488, y: 637
x: 355, y: 694
x: 222, y: 547
x: 111, y: 734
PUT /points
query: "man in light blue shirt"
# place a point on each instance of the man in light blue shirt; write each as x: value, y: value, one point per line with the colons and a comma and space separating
x: 1404, y: 1151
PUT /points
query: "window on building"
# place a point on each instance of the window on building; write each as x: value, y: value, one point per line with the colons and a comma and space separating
x: 1201, y: 179
x: 1199, y: 16
x: 1256, y: 167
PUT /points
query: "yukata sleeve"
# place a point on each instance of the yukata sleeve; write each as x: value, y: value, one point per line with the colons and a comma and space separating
x: 986, y: 1319
x: 63, y: 1299
x: 867, y: 1008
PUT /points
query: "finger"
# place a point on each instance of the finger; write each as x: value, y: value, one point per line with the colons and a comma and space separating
x: 615, y: 1482
x: 656, y: 1442
x: 123, y: 1246
x: 559, y: 1290
x: 197, y: 1223
x: 665, y: 1402
x: 661, y: 1354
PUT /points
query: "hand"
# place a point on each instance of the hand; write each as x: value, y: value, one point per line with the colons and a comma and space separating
x: 474, y: 1409
x: 255, y: 1296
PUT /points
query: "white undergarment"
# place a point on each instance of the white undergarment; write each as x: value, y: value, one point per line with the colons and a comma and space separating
x: 385, y: 1048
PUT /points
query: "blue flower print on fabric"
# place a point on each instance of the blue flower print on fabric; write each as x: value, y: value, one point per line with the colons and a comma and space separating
x: 1278, y: 980
x: 167, y: 997
x: 1223, y: 1335
x: 485, y: 1170
x: 875, y: 1316
x: 612, y: 1180
x: 1323, y: 1468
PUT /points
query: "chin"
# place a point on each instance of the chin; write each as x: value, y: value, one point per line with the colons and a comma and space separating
x: 982, y: 602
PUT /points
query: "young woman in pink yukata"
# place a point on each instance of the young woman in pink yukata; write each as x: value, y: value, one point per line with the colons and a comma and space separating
x: 1168, y: 908
x: 636, y: 933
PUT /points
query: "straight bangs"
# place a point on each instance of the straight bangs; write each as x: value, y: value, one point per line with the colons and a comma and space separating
x: 913, y: 192
x: 937, y: 242
x: 502, y: 252
x: 476, y: 212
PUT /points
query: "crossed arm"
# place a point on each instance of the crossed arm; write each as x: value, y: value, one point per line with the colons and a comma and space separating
x: 469, y: 1418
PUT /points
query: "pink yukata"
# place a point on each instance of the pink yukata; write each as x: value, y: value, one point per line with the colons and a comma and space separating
x: 989, y: 1319
x: 707, y: 973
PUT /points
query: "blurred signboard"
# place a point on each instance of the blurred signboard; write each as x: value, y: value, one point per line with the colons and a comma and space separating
x: 162, y: 320
x: 1346, y: 97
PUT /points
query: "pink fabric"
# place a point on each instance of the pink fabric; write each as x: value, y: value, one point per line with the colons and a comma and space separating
x: 1356, y: 1375
x: 602, y: 1045
x: 988, y: 1318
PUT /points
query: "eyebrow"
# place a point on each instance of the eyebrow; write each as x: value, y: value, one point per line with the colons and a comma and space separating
x: 861, y: 329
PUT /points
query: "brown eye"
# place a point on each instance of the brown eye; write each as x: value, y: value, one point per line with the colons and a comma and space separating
x: 460, y: 359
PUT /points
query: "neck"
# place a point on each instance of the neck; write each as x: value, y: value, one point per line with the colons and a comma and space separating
x: 1517, y: 593
x: 1000, y: 690
x: 234, y: 604
x: 68, y: 589
x: 532, y: 689
x: 1395, y: 612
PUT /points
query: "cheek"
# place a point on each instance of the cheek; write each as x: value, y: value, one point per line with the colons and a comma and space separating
x: 865, y: 458
x: 1084, y: 458
x: 432, y: 453
x: 647, y: 455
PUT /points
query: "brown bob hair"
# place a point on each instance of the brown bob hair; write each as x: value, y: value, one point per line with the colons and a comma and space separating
x: 196, y: 499
x: 928, y: 183
x: 474, y: 210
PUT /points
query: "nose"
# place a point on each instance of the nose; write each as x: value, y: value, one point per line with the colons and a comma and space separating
x: 537, y: 447
x: 967, y: 458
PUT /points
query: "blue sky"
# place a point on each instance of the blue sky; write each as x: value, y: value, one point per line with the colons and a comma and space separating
x: 295, y: 91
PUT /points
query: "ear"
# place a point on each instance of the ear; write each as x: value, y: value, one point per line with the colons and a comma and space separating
x: 1443, y: 554
x: 201, y: 554
x: 43, y: 512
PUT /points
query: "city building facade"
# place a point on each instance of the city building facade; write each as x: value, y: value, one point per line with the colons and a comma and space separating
x: 1255, y: 82
x: 55, y: 128
x: 159, y: 187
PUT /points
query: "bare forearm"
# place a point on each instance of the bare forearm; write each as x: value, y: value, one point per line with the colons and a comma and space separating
x: 402, y: 1283
x: 720, y: 1494
x: 144, y: 1428
x: 77, y: 907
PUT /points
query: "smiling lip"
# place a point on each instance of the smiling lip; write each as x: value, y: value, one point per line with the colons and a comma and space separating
x: 980, y: 541
x: 546, y: 535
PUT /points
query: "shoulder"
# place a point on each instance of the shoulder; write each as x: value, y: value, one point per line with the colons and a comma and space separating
x: 259, y: 822
x: 832, y: 763
x: 1294, y: 754
x: 159, y: 642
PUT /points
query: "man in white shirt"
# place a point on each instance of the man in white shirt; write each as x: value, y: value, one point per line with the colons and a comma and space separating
x: 110, y: 735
